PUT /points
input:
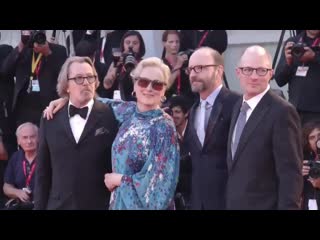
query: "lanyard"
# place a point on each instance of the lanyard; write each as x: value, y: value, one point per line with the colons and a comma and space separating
x: 28, y: 178
x: 35, y: 66
x: 203, y: 38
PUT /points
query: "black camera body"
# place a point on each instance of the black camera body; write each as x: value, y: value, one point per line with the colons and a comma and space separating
x: 297, y: 50
x: 129, y: 60
x: 314, y: 168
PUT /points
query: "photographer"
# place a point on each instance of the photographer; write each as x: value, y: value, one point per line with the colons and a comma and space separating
x: 299, y: 67
x: 19, y: 175
x: 132, y: 49
x: 179, y: 81
x: 311, y: 168
x: 35, y: 63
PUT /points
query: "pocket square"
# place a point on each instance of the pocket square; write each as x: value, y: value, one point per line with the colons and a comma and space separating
x: 100, y: 131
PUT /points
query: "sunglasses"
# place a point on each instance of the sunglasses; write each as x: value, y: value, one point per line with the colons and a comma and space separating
x: 155, y: 84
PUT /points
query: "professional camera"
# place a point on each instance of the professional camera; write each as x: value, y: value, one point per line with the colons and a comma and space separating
x: 129, y: 60
x: 297, y: 50
x: 188, y: 52
x: 315, y: 165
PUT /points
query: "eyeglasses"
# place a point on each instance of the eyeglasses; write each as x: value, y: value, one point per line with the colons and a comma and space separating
x: 199, y: 68
x: 155, y: 84
x: 249, y: 70
x: 80, y: 79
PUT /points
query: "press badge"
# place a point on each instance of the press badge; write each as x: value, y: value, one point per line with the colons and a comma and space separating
x: 312, y: 204
x: 302, y: 71
x: 35, y: 85
x: 116, y: 95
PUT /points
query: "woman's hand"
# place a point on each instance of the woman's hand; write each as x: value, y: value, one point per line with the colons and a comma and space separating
x: 54, y: 107
x: 305, y: 168
x: 112, y: 180
x: 110, y: 77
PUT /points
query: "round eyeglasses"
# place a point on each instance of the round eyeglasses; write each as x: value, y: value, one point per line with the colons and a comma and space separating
x: 259, y: 71
x: 80, y: 79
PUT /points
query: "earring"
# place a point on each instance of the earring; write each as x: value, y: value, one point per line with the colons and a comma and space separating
x: 133, y: 94
x: 163, y: 99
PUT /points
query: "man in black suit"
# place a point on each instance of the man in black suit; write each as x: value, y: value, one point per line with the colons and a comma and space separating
x: 207, y: 131
x: 75, y: 147
x: 264, y: 144
x: 35, y: 63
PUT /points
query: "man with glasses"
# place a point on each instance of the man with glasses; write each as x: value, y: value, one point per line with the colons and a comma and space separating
x: 75, y: 146
x: 264, y: 145
x: 206, y: 135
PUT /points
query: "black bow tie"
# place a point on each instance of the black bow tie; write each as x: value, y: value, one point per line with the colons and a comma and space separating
x: 81, y: 111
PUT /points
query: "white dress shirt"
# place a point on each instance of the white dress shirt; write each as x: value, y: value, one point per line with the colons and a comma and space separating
x: 252, y: 102
x: 77, y: 123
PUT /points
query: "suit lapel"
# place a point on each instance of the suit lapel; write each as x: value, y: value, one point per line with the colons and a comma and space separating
x: 234, y: 117
x: 193, y: 132
x: 92, y: 121
x: 64, y: 119
x: 214, y: 115
x: 256, y: 117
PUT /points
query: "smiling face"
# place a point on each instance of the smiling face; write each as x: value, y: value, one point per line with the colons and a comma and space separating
x: 147, y: 97
x: 81, y: 94
x: 254, y: 84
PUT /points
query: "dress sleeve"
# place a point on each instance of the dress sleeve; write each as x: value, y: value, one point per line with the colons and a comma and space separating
x: 121, y: 109
x: 154, y: 186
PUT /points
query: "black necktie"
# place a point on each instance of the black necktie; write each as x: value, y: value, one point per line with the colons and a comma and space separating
x: 81, y: 111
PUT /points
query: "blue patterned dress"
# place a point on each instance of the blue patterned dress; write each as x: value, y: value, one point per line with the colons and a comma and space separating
x: 146, y: 152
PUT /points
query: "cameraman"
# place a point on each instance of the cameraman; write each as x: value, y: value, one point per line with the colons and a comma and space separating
x: 35, y: 63
x: 118, y: 76
x: 299, y: 66
x: 311, y: 190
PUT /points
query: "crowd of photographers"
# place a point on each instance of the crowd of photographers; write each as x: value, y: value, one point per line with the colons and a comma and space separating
x: 28, y: 81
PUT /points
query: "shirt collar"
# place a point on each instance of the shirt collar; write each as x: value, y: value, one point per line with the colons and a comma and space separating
x: 253, y: 102
x: 212, y: 97
x: 89, y: 105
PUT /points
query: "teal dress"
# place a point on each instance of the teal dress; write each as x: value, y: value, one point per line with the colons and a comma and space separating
x: 146, y: 152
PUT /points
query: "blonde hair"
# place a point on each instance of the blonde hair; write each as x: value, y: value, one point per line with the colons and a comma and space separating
x: 152, y: 62
x: 62, y: 85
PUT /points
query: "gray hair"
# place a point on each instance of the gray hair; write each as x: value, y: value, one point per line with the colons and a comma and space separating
x: 62, y: 85
x: 35, y: 127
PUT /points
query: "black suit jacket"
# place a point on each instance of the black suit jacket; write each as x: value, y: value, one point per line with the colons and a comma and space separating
x: 266, y: 170
x: 70, y: 175
x: 209, y: 166
x: 19, y: 64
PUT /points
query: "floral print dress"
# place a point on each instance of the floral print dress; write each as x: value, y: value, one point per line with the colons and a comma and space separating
x: 146, y: 152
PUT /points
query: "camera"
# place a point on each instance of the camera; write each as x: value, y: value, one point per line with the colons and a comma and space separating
x: 314, y: 168
x: 129, y: 60
x: 297, y: 50
x: 315, y: 165
x: 188, y: 52
x: 28, y: 37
